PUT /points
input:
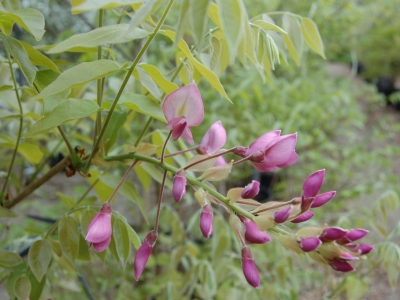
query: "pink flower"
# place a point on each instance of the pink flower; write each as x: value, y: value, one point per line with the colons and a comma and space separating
x: 213, y: 140
x: 183, y: 109
x: 249, y: 268
x: 312, y: 186
x: 251, y: 190
x: 206, y: 217
x: 303, y: 217
x: 282, y: 215
x: 253, y: 233
x: 179, y: 186
x: 99, y: 230
x: 143, y: 253
x: 279, y: 151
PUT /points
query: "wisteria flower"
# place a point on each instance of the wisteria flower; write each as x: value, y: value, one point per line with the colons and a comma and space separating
x: 213, y: 140
x: 183, y: 109
x: 312, y: 186
x: 99, y: 230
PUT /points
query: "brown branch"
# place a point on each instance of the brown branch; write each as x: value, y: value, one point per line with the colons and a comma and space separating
x: 34, y: 185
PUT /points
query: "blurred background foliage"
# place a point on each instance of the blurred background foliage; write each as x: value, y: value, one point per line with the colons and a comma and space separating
x: 342, y: 126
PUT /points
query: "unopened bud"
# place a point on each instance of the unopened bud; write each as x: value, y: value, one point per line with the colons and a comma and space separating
x: 249, y: 268
x: 206, y: 217
x: 341, y: 266
x: 332, y: 234
x: 179, y: 186
x: 352, y: 235
x: 309, y: 244
x: 254, y: 234
x: 281, y: 216
x: 303, y: 217
x: 143, y: 253
x: 251, y: 190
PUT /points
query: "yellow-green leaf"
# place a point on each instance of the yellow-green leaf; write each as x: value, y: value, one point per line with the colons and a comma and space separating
x: 9, y: 259
x: 142, y: 104
x: 198, y: 17
x: 68, y: 234
x: 294, y: 38
x: 121, y: 238
x: 22, y: 288
x: 39, y: 59
x: 31, y: 152
x: 311, y: 36
x: 82, y: 73
x: 39, y: 258
x: 113, y: 34
x: 166, y: 85
x: 268, y: 26
x: 68, y: 110
x: 80, y: 6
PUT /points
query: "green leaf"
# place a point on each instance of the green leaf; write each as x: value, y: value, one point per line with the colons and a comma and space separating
x: 22, y: 287
x: 68, y: 234
x: 37, y: 287
x: 311, y: 36
x: 69, y: 202
x: 183, y: 21
x: 230, y: 14
x: 203, y: 70
x: 166, y: 85
x: 148, y: 82
x: 143, y: 12
x: 5, y: 87
x: 294, y: 38
x: 79, y: 6
x: 142, y: 104
x: 121, y: 238
x: 31, y: 152
x: 83, y: 253
x: 216, y: 53
x: 39, y: 258
x: 80, y: 74
x: 39, y: 59
x: 9, y: 259
x: 17, y: 51
x: 28, y: 18
x: 268, y: 26
x: 66, y: 111
x: 355, y: 287
x: 198, y: 18
x: 133, y: 236
x: 6, y: 213
x: 113, y: 34
x: 49, y: 103
x: 117, y: 120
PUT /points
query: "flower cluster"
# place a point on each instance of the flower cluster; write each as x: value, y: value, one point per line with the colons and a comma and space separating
x: 249, y: 219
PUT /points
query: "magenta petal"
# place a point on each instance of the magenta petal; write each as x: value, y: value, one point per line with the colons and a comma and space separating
x: 321, y: 199
x: 281, y: 152
x: 220, y: 161
x: 342, y: 266
x: 206, y: 217
x: 173, y: 122
x: 99, y: 228
x: 313, y: 183
x: 265, y: 166
x: 185, y: 101
x: 251, y: 190
x: 178, y: 130
x: 291, y: 161
x: 255, y: 235
x: 213, y: 140
x: 143, y: 253
x: 187, y: 136
x: 179, y: 186
x: 309, y: 244
x: 99, y: 247
x: 364, y: 249
x: 281, y: 216
x: 303, y: 217
x: 352, y: 235
x: 332, y: 234
x: 263, y: 142
x: 249, y: 268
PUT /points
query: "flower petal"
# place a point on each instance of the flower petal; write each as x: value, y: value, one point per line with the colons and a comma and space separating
x: 313, y: 183
x: 99, y: 247
x: 213, y: 140
x: 321, y: 199
x: 263, y: 142
x: 280, y: 152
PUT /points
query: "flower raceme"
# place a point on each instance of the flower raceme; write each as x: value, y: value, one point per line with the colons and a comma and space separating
x: 183, y: 109
x: 276, y: 151
x: 99, y: 230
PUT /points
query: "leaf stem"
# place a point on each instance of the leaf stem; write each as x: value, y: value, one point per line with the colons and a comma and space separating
x: 65, y: 138
x: 127, y: 76
x: 210, y: 157
x: 165, y: 145
x: 190, y: 179
x: 21, y: 120
x: 122, y: 181
x: 159, y: 201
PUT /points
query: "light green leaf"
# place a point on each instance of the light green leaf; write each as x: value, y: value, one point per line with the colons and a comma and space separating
x: 28, y: 18
x: 148, y: 82
x: 66, y: 111
x: 133, y: 236
x: 83, y: 253
x: 39, y: 257
x: 39, y: 59
x: 68, y: 234
x: 80, y: 74
x: 17, y: 51
x: 166, y: 85
x: 49, y: 103
x: 37, y: 287
x: 203, y: 70
x: 311, y: 36
x: 216, y: 53
x: 268, y: 26
x: 113, y: 34
x: 69, y: 202
x: 22, y: 287
x: 80, y: 6
x: 5, y: 87
x: 117, y: 120
x: 9, y: 259
x: 294, y: 38
x: 198, y: 18
x: 31, y: 152
x: 143, y: 12
x: 121, y: 238
x: 230, y: 14
x: 183, y: 21
x: 142, y: 104
x: 216, y: 173
x: 6, y: 213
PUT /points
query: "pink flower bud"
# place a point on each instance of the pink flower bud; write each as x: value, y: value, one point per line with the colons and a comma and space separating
x: 99, y: 230
x: 251, y: 190
x: 303, y: 217
x: 321, y: 199
x: 213, y: 140
x: 206, y: 217
x: 241, y: 151
x: 281, y: 216
x: 179, y: 186
x: 183, y: 109
x: 332, y: 234
x: 364, y: 249
x: 254, y: 234
x: 352, y: 235
x: 313, y: 183
x: 249, y: 268
x: 144, y: 252
x: 341, y: 265
x: 309, y: 244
